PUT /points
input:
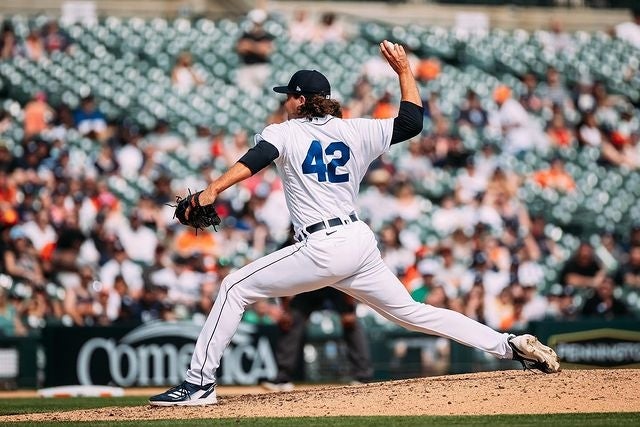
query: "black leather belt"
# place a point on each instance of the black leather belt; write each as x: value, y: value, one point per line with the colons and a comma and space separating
x: 333, y: 222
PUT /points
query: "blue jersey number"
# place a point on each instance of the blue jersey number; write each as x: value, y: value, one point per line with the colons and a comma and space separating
x: 314, y: 162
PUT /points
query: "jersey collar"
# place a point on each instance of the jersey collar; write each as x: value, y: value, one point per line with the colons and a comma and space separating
x: 318, y: 120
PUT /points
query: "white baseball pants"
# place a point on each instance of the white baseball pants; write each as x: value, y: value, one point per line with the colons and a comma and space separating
x: 347, y: 258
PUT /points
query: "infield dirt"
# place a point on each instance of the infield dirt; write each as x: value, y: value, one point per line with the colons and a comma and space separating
x: 488, y: 393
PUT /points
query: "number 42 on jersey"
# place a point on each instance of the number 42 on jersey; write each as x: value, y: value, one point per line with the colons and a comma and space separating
x: 314, y: 162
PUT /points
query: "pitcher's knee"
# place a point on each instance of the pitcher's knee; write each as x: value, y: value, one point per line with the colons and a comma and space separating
x: 231, y: 289
x: 236, y: 290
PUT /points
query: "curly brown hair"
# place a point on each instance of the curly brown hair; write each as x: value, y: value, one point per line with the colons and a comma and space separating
x: 319, y: 106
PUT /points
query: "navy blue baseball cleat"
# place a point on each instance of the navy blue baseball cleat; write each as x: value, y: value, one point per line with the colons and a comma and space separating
x: 186, y: 394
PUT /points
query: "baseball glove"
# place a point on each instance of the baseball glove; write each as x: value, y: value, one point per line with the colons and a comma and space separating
x: 200, y: 217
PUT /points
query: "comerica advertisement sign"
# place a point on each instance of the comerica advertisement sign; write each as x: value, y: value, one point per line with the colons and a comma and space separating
x: 159, y: 353
x: 155, y: 353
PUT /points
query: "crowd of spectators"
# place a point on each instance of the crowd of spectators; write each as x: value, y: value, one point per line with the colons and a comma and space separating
x: 73, y: 253
x: 36, y: 45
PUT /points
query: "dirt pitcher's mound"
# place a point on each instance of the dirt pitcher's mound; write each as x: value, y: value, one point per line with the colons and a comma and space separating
x: 506, y: 392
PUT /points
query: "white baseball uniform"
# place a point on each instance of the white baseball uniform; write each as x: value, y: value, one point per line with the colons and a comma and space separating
x: 321, y: 163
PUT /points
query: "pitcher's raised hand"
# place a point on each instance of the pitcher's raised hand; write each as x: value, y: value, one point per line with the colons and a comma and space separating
x: 395, y: 56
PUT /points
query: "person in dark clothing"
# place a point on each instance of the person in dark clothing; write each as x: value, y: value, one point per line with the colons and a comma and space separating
x: 603, y: 304
x: 583, y: 270
x: 634, y: 236
x: 293, y: 326
x: 472, y: 114
x: 629, y: 273
x: 88, y: 119
x: 7, y: 160
x: 254, y: 48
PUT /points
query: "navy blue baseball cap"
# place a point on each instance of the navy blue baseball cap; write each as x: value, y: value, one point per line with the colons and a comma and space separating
x: 306, y: 82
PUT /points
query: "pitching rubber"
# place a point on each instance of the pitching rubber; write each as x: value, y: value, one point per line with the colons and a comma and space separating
x: 211, y: 400
x: 277, y: 386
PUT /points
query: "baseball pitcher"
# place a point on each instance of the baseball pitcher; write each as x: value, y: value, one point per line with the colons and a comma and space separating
x: 321, y: 159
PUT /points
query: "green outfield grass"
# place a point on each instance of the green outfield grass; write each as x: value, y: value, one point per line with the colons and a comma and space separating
x: 23, y: 406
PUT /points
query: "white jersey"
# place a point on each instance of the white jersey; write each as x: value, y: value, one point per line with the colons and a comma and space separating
x: 322, y: 162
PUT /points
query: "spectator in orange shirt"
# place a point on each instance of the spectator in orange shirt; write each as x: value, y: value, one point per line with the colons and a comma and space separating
x: 428, y: 69
x: 8, y: 191
x: 33, y: 48
x: 555, y: 177
x: 384, y: 109
x: 558, y: 132
x: 37, y: 114
x: 188, y: 243
x: 621, y: 150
